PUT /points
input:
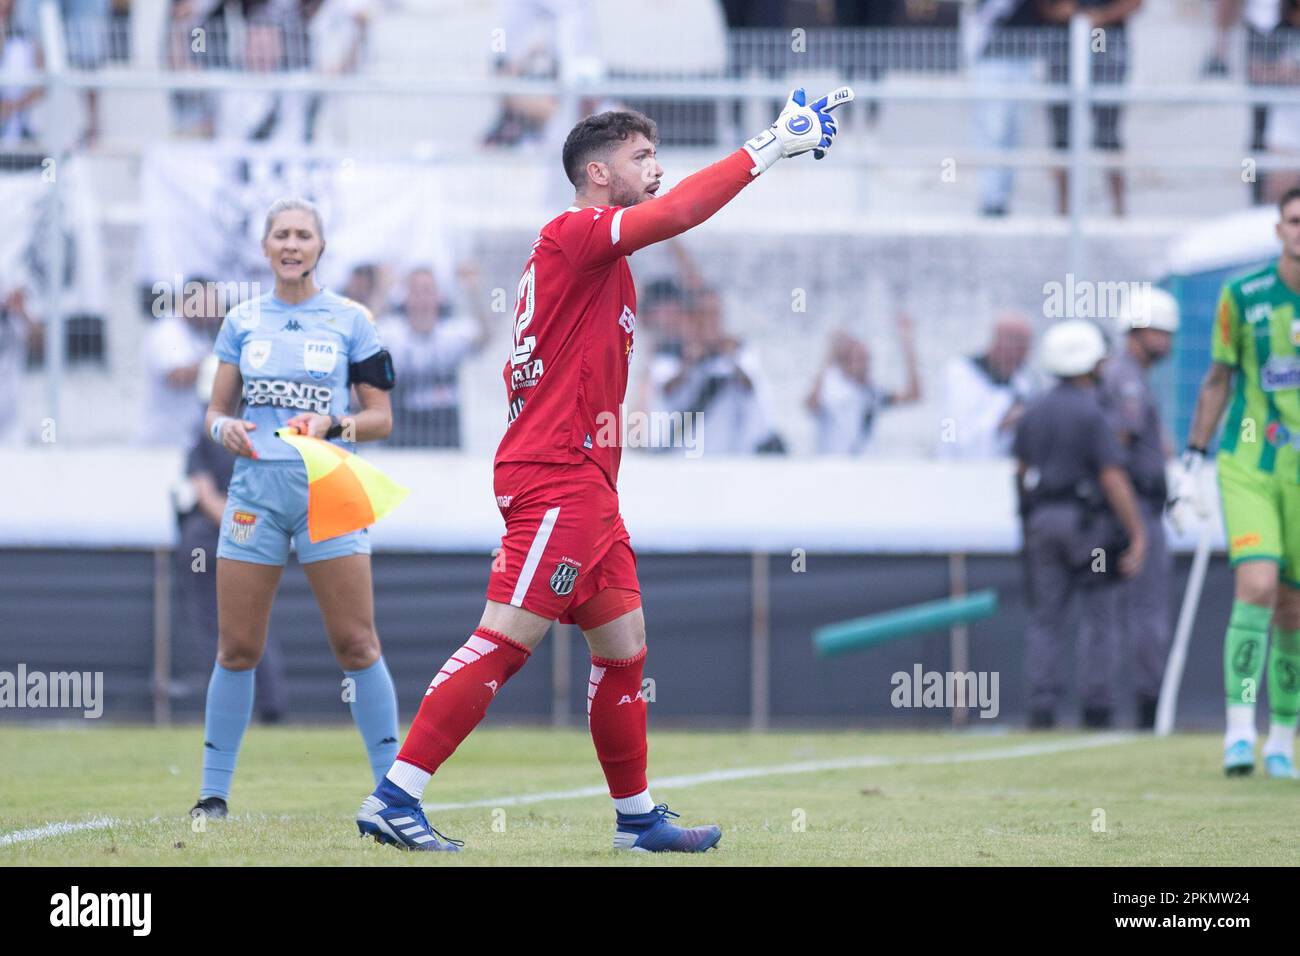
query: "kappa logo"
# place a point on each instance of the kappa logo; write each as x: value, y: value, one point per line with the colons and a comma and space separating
x: 492, y: 686
x: 626, y: 699
x: 319, y: 358
x: 563, y: 579
x: 242, y: 526
x: 292, y: 326
x: 259, y: 350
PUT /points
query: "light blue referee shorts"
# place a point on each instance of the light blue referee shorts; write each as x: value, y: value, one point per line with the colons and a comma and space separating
x: 266, y: 509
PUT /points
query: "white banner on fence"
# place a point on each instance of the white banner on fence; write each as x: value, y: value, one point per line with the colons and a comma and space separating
x: 203, y: 209
x: 25, y: 198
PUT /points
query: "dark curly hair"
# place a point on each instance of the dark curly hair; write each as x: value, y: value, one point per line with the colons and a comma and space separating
x: 1290, y: 195
x: 597, y: 133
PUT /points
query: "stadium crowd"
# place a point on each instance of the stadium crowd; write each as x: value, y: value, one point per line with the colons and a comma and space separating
x: 1003, y: 41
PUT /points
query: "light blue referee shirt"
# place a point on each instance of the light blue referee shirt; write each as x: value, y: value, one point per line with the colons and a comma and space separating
x: 294, y: 359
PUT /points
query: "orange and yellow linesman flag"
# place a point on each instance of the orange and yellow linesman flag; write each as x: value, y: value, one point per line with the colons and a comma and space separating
x: 344, y: 493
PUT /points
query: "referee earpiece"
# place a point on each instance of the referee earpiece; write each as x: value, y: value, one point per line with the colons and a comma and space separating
x: 318, y: 255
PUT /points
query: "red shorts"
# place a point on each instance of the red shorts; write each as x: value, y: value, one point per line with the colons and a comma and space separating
x: 566, y: 554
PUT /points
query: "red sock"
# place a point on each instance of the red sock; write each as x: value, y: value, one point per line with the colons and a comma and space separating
x: 616, y: 713
x: 458, y: 697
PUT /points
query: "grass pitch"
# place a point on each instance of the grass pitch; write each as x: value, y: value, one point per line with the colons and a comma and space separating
x: 936, y: 799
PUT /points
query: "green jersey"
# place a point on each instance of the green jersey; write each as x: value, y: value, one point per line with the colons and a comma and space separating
x: 1257, y: 331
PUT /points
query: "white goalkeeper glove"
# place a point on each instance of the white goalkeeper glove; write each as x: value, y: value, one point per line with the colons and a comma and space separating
x: 800, y: 127
x: 1189, y: 499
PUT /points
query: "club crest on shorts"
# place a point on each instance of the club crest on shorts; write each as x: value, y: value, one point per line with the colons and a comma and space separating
x: 565, y: 576
x: 242, y: 526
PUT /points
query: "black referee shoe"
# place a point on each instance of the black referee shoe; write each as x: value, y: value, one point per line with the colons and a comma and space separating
x: 214, y: 808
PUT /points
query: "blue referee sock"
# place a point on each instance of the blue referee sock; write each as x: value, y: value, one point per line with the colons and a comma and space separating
x: 225, y: 718
x: 374, y: 708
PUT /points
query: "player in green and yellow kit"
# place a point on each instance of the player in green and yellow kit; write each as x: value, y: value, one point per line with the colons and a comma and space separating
x: 1255, y: 372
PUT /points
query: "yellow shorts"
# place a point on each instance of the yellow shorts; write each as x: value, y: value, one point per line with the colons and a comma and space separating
x: 1261, y: 515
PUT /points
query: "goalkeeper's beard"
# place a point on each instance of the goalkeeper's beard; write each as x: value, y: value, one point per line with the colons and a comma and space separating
x: 623, y: 193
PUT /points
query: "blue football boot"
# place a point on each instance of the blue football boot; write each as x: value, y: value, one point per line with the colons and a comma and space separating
x: 1281, y: 766
x: 1239, y: 758
x: 653, y: 833
x: 400, y: 824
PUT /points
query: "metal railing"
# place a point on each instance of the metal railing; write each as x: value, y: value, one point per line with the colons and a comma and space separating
x: 389, y: 115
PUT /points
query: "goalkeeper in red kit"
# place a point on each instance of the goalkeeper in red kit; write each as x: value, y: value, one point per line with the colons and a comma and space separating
x: 567, y: 555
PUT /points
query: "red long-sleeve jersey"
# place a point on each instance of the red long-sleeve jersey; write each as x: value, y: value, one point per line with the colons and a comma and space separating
x: 575, y: 315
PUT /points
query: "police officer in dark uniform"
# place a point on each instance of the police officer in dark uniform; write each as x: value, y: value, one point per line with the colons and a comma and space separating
x: 1082, y: 526
x: 1146, y: 328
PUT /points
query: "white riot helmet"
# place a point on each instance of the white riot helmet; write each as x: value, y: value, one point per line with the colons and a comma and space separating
x: 1150, y: 308
x: 1072, y: 347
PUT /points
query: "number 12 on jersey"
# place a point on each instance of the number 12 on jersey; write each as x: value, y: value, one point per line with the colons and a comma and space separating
x: 524, y: 304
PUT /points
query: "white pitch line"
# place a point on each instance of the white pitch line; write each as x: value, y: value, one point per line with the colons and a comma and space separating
x: 54, y: 829
x: 688, y: 780
x: 809, y: 766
